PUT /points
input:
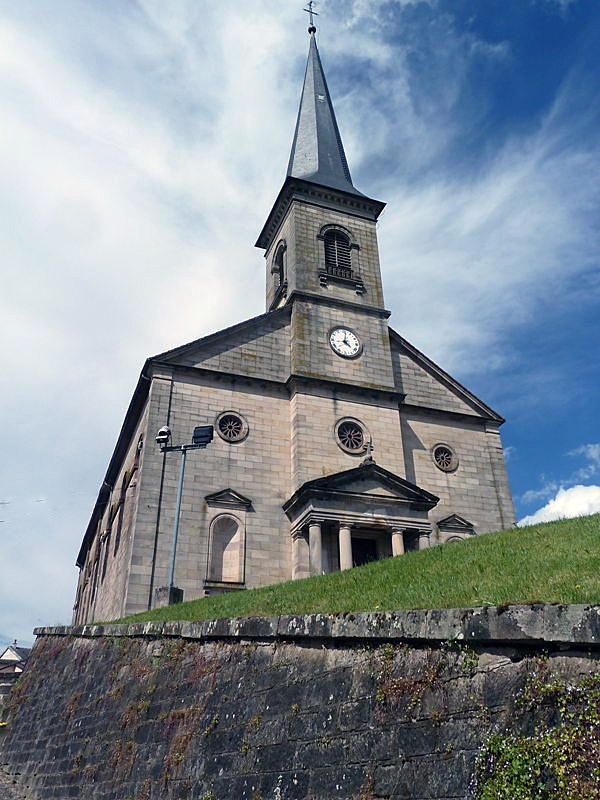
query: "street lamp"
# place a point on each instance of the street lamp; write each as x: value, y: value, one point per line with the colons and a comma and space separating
x: 202, y: 435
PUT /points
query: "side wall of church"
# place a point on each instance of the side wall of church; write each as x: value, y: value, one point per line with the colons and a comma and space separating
x: 257, y: 467
x: 103, y: 579
x: 478, y: 488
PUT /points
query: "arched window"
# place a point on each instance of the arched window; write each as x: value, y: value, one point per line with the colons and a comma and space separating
x: 337, y: 254
x: 278, y: 269
x: 120, y: 511
x: 226, y: 557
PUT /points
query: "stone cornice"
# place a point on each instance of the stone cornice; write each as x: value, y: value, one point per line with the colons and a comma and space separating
x: 319, y: 299
x: 314, y: 194
x: 537, y: 626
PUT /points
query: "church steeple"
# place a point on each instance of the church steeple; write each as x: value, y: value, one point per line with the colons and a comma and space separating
x: 317, y: 150
x: 320, y: 236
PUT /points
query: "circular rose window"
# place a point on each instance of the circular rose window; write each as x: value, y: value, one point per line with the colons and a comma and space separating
x: 351, y: 436
x: 231, y: 426
x: 444, y: 458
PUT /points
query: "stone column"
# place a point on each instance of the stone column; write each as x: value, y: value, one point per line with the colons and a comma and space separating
x: 397, y: 542
x: 423, y: 540
x: 315, y: 548
x: 345, y: 546
x: 300, y: 568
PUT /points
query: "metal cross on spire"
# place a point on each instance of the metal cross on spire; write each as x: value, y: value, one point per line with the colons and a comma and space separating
x: 311, y: 13
x: 368, y: 459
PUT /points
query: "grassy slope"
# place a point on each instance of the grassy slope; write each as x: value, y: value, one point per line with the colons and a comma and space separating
x: 555, y: 562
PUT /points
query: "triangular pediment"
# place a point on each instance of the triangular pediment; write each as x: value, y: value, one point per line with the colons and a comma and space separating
x: 258, y: 347
x: 229, y: 498
x: 370, y: 478
x: 454, y: 522
x: 367, y: 480
x: 424, y: 384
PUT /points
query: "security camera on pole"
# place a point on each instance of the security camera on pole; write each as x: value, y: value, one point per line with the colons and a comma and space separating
x: 203, y: 435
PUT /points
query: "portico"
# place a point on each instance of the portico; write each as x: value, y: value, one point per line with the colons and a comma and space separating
x: 351, y: 517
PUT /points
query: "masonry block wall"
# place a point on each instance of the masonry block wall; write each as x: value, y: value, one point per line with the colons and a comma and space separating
x: 391, y: 706
x: 474, y: 485
x: 300, y: 229
x: 103, y: 582
x: 257, y: 467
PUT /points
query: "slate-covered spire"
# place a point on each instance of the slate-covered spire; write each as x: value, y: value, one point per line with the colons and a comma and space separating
x: 317, y: 151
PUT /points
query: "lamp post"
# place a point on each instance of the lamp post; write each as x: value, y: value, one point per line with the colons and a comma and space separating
x: 202, y: 435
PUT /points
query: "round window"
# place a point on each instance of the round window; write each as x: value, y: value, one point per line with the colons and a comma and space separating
x: 351, y: 436
x: 444, y: 457
x: 231, y: 426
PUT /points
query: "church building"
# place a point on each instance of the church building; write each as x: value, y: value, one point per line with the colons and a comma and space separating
x: 335, y: 441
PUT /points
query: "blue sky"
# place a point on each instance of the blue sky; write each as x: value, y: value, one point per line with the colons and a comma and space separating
x: 141, y: 146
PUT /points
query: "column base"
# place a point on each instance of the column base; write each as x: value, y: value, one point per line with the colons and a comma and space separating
x: 167, y: 596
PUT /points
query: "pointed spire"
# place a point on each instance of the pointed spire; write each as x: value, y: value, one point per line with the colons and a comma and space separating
x: 317, y: 151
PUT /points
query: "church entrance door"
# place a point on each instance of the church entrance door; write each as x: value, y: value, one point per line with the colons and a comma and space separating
x: 363, y: 551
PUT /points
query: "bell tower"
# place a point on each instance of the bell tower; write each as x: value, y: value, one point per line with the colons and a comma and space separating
x: 320, y: 235
x: 321, y: 252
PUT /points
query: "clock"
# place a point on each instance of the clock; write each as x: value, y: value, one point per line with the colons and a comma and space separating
x: 345, y: 343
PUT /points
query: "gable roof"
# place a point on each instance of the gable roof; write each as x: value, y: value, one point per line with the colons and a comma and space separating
x: 256, y: 348
x: 186, y: 353
x: 430, y: 386
x: 14, y: 653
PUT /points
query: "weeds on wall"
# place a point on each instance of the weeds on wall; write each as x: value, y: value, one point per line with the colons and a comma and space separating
x: 398, y: 690
x: 560, y: 758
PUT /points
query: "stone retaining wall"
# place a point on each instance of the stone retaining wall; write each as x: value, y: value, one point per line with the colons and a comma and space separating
x: 350, y: 706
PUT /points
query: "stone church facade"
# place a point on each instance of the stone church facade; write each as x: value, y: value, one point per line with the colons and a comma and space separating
x: 335, y: 440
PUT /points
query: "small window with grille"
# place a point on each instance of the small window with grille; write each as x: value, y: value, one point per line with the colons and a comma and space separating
x: 337, y: 254
x: 444, y: 457
x: 351, y: 436
x: 231, y: 426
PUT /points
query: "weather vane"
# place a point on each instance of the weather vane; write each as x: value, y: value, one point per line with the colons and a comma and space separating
x: 311, y: 13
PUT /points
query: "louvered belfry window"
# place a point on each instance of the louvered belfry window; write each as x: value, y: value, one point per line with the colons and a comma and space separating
x: 278, y: 267
x: 337, y: 255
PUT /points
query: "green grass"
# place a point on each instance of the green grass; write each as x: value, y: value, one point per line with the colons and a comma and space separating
x: 555, y: 562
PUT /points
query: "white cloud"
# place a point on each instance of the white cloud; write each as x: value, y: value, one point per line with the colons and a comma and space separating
x: 549, y: 487
x: 505, y: 234
x: 590, y: 451
x: 546, y: 490
x: 510, y: 453
x: 577, y: 501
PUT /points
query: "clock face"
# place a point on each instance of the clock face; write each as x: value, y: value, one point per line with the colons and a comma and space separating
x: 344, y: 342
